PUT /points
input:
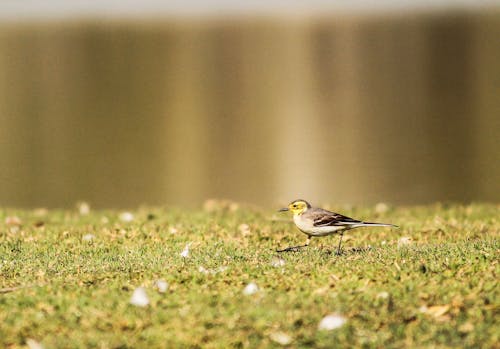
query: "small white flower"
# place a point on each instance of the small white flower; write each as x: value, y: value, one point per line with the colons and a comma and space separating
x: 139, y: 297
x: 126, y: 217
x: 405, y: 240
x: 250, y: 289
x: 280, y: 338
x: 202, y: 270
x: 33, y: 344
x: 185, y: 251
x: 88, y: 237
x: 173, y: 230
x: 331, y: 322
x: 162, y: 286
x: 278, y: 262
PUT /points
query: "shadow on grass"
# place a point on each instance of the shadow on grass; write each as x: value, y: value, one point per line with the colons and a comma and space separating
x: 328, y: 251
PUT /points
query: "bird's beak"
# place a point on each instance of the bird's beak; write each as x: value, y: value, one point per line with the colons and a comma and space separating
x: 283, y: 209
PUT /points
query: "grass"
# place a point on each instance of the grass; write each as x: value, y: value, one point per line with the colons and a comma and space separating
x: 64, y: 288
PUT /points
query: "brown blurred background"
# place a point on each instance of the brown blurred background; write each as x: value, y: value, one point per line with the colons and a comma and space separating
x: 171, y: 106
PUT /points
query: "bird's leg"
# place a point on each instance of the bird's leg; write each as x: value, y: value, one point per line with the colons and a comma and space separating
x: 340, y: 242
x: 295, y: 248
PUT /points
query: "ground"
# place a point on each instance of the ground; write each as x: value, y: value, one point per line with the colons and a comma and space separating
x: 67, y: 278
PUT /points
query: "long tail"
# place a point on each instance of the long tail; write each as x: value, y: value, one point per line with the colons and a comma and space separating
x: 371, y: 224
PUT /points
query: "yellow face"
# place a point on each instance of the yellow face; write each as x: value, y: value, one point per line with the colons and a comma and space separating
x: 298, y: 207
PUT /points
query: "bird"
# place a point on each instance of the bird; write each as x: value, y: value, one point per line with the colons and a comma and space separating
x: 315, y: 221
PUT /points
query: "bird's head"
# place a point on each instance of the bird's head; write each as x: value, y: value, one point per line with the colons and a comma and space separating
x: 297, y: 207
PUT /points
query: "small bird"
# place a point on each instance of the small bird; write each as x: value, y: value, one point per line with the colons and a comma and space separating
x: 314, y: 221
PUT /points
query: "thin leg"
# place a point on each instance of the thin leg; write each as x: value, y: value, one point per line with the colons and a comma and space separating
x: 340, y: 242
x: 295, y: 248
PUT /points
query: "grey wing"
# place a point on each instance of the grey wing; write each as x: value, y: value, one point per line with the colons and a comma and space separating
x: 324, y: 218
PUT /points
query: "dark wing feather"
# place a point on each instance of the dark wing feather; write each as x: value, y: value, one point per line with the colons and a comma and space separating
x: 324, y: 218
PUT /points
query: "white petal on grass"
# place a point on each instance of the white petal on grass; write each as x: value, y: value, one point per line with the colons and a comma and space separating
x: 139, y: 297
x: 162, y: 286
x: 173, y: 230
x: 405, y: 240
x: 331, y: 322
x: 280, y: 338
x: 185, y: 251
x: 126, y: 217
x: 250, y: 289
x: 278, y: 262
x: 88, y: 237
x: 203, y: 270
x: 33, y: 344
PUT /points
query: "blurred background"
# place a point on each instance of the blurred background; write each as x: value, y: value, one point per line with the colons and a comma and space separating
x: 122, y: 103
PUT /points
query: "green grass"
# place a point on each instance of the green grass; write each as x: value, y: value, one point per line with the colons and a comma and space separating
x: 441, y: 290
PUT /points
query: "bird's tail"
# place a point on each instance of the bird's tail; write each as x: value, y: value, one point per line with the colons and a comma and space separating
x: 372, y: 224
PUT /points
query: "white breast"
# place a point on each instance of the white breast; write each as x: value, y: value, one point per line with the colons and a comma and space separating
x: 305, y: 225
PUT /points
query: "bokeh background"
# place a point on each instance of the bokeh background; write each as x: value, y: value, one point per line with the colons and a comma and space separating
x: 122, y: 103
